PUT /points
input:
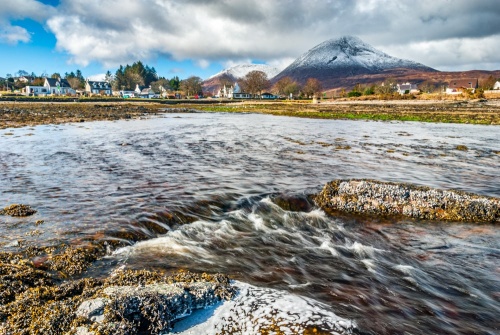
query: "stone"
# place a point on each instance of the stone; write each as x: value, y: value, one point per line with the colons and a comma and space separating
x: 92, y: 309
x: 385, y: 198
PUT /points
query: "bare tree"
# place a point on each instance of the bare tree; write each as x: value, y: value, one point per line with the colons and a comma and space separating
x: 487, y: 83
x: 255, y: 82
x: 428, y: 87
x: 74, y: 82
x: 387, y: 87
x: 191, y: 86
x: 134, y: 79
x: 160, y: 85
x: 280, y: 86
x: 312, y: 87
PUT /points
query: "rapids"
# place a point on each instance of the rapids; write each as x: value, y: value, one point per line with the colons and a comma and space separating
x: 233, y: 175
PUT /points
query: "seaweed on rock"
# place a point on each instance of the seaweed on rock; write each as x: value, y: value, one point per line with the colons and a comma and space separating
x: 385, y: 198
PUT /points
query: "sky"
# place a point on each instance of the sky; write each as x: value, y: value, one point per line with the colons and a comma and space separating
x: 199, y: 37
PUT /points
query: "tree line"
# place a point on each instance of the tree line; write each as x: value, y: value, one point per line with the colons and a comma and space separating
x: 256, y: 82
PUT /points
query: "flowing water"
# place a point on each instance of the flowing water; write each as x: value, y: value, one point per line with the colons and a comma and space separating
x: 241, y: 182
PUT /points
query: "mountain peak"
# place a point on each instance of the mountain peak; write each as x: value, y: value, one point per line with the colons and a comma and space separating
x: 241, y: 70
x: 343, y: 57
x: 349, y: 45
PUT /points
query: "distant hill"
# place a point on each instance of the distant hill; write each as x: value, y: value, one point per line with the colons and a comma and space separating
x: 345, y: 62
x: 237, y: 72
x: 402, y: 75
x: 346, y: 57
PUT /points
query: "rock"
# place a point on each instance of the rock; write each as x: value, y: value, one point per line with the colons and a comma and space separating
x: 83, y: 331
x: 92, y: 309
x: 383, y: 198
x: 18, y: 210
x: 156, y: 306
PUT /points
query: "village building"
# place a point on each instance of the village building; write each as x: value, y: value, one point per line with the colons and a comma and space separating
x: 34, y: 91
x: 227, y: 92
x: 457, y: 86
x: 496, y: 86
x: 407, y: 88
x: 268, y: 96
x: 127, y: 94
x: 144, y: 92
x: 242, y: 96
x: 58, y: 86
x: 98, y: 87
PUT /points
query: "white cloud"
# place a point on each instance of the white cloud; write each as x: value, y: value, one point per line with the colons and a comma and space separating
x: 97, y: 77
x: 454, y: 53
x: 13, y: 34
x: 115, y: 32
x: 203, y: 63
x: 18, y: 10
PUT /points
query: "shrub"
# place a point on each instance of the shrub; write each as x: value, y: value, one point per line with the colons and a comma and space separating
x: 353, y: 94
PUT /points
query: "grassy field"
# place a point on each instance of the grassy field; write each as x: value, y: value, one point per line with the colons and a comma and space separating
x: 445, y: 112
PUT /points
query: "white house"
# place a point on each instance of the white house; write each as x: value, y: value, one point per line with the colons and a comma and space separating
x: 58, y: 86
x: 144, y: 92
x: 97, y: 87
x: 242, y: 96
x: 496, y: 86
x: 457, y: 86
x: 35, y: 91
x: 227, y: 92
x: 407, y: 88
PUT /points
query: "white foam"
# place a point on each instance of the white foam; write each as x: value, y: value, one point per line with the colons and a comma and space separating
x: 363, y: 250
x: 258, y: 222
x: 406, y: 269
x: 369, y: 264
x: 255, y: 309
x: 326, y: 245
x: 294, y: 286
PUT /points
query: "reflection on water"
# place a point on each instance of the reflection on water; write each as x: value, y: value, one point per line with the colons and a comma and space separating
x: 222, y: 173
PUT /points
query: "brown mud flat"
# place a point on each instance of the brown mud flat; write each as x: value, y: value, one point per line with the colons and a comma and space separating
x: 21, y: 114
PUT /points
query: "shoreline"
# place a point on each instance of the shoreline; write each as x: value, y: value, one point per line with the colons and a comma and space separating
x: 486, y: 112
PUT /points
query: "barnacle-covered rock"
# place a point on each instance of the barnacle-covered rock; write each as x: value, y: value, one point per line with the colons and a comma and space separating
x: 127, y: 302
x: 151, y: 308
x: 384, y: 198
x: 18, y: 210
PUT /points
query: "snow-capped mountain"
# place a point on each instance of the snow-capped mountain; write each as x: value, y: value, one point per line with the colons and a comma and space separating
x: 234, y: 73
x: 240, y: 71
x: 345, y: 57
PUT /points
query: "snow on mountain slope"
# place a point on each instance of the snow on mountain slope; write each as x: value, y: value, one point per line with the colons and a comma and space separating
x: 348, y: 51
x: 344, y: 57
x: 239, y: 71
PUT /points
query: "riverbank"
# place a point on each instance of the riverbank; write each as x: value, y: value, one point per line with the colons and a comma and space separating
x: 445, y: 111
x: 22, y: 114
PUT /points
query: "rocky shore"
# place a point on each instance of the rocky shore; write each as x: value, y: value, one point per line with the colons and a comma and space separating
x: 33, y: 301
x: 22, y: 114
x: 384, y: 198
